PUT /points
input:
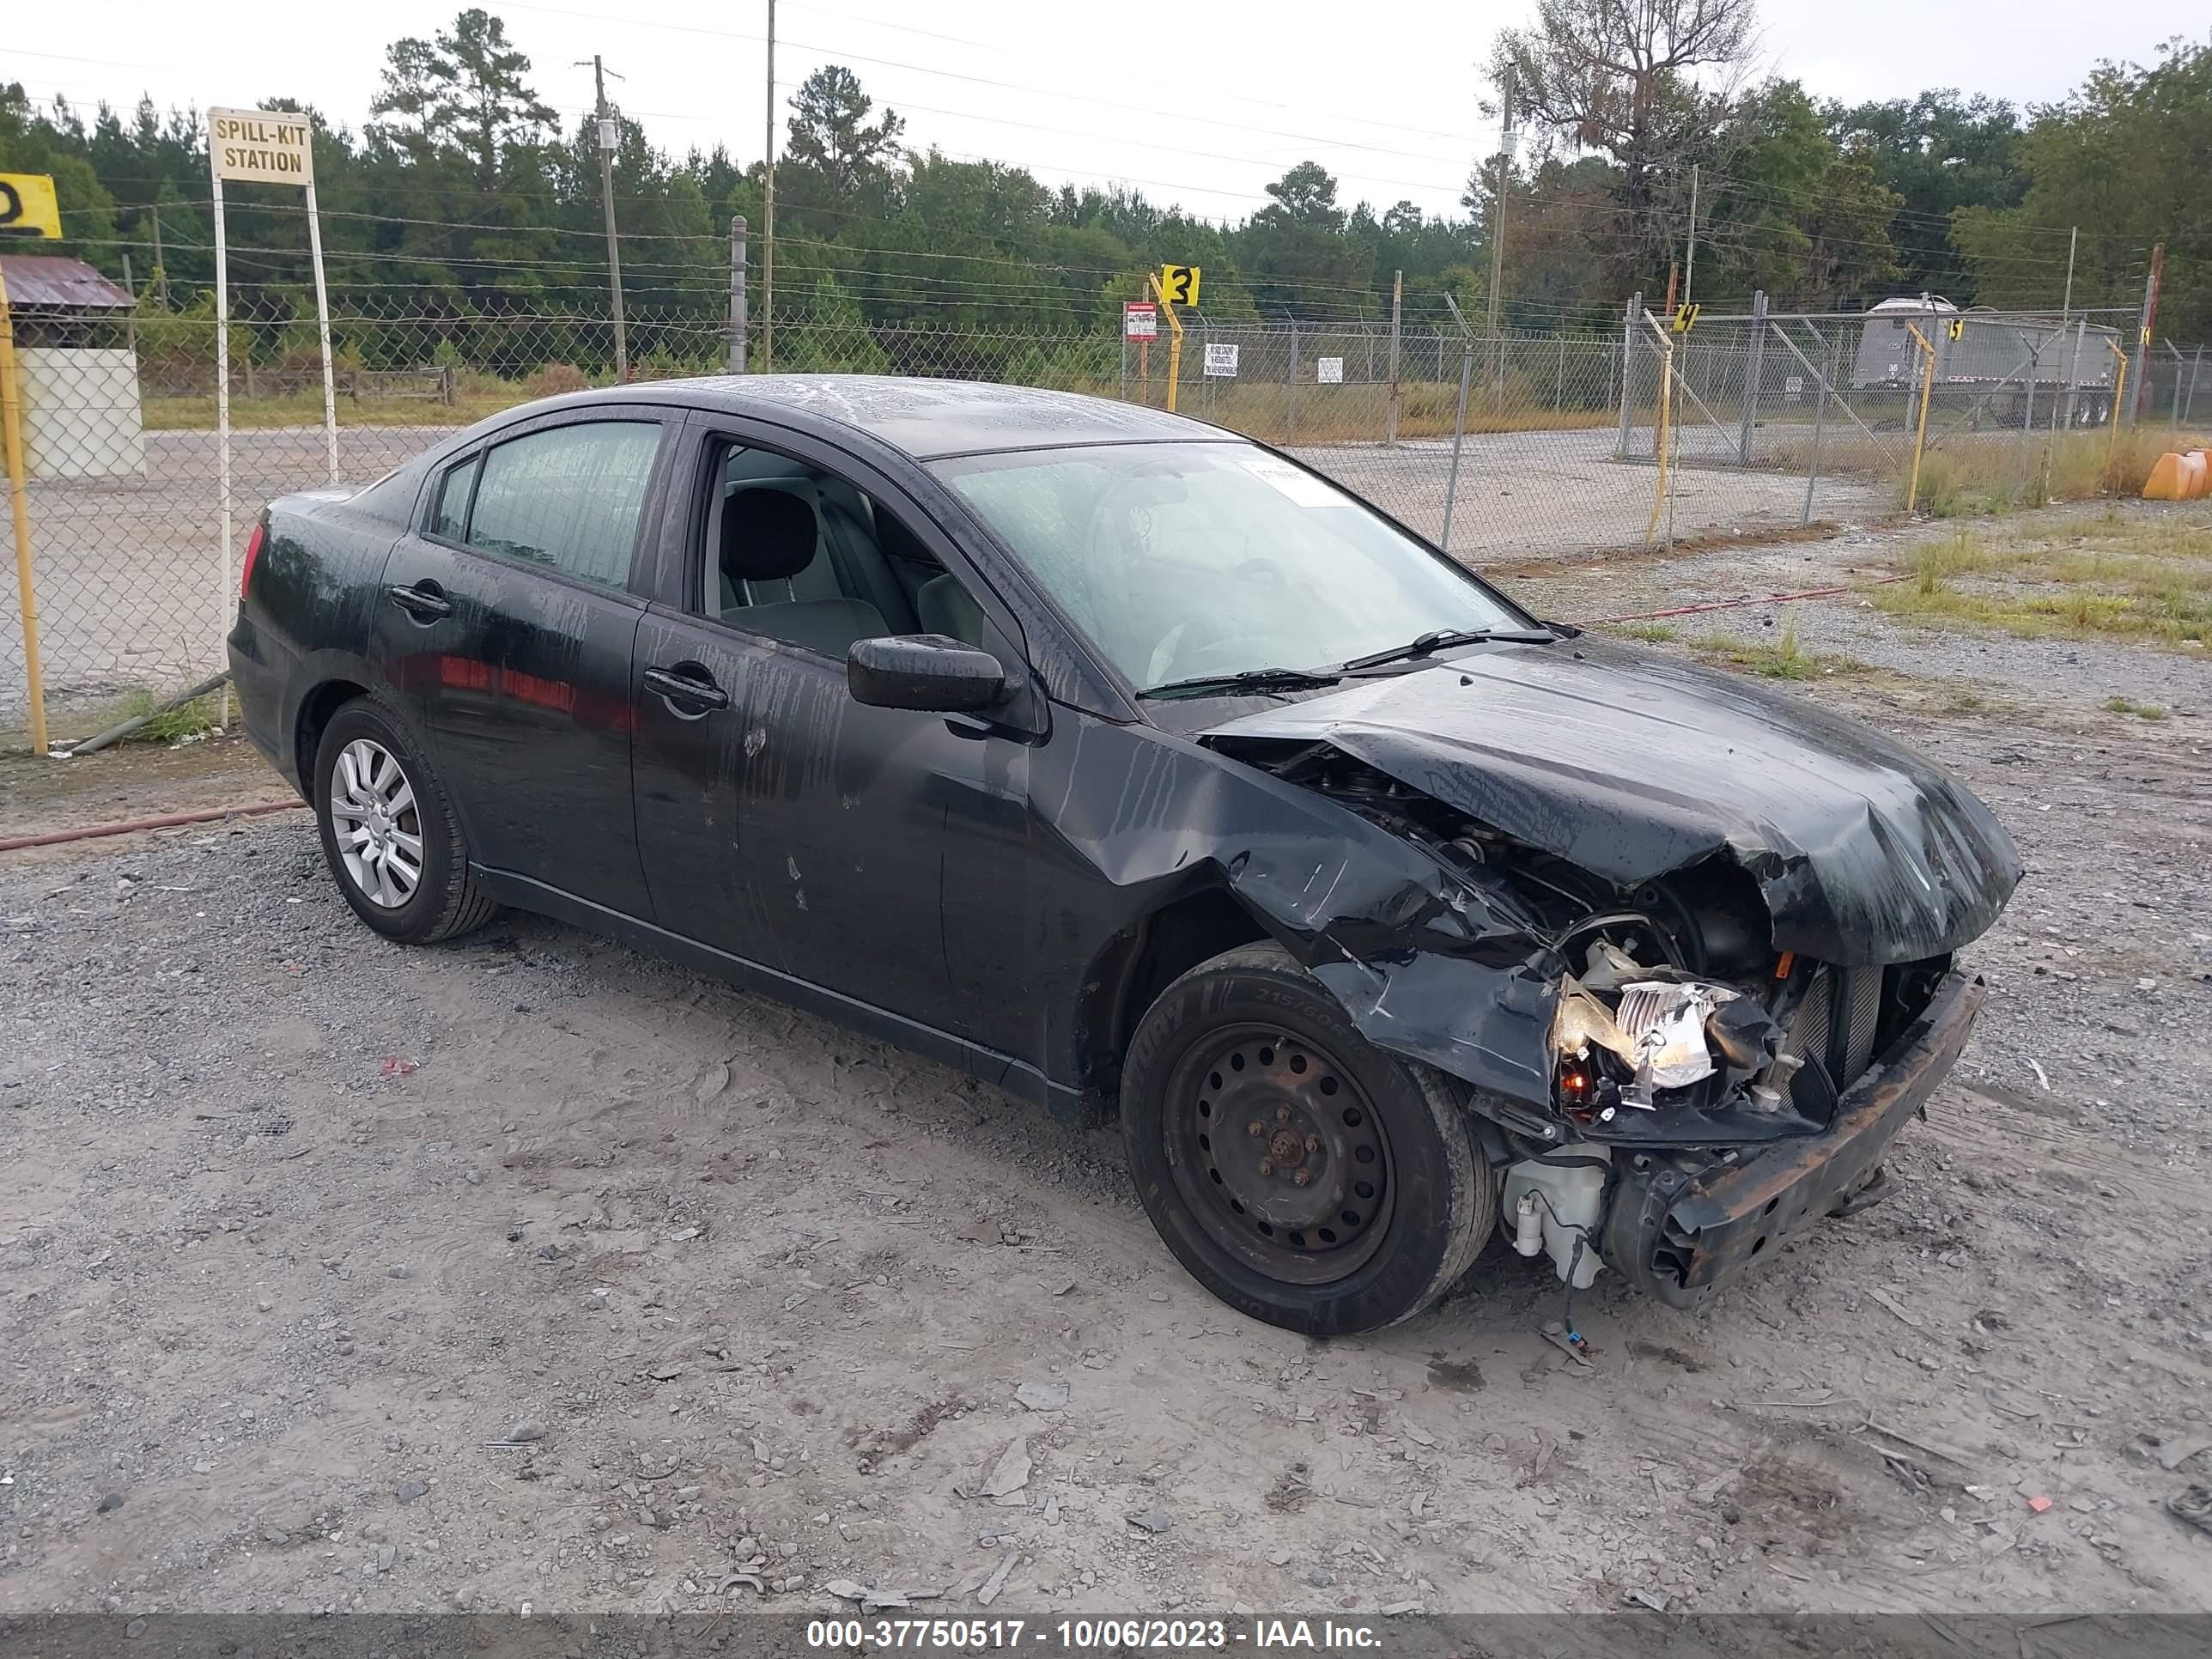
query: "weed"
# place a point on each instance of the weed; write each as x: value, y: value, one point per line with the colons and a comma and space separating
x: 1785, y: 659
x: 2145, y: 711
x: 1650, y: 633
x: 186, y: 721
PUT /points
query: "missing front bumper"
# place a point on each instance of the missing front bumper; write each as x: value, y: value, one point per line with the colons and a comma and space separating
x: 1682, y: 1236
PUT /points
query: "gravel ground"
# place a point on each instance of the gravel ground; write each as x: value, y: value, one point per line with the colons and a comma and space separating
x: 530, y: 1272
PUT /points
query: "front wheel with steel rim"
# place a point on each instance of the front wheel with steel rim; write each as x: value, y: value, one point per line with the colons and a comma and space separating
x: 389, y: 831
x: 1301, y: 1175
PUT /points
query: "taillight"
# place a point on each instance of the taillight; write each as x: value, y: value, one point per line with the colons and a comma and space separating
x: 253, y: 552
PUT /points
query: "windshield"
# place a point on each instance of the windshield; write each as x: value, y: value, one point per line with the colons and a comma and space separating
x: 1190, y: 560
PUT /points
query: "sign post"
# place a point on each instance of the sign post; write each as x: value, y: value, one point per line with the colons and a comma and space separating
x: 1175, y: 285
x: 266, y: 147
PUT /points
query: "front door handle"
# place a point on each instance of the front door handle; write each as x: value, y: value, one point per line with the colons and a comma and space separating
x: 424, y: 601
x: 688, y: 685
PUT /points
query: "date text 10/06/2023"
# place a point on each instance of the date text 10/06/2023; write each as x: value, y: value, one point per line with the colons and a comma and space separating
x: 1130, y: 1635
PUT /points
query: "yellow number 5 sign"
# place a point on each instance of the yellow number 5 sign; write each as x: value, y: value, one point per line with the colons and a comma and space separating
x: 1179, y: 284
x: 28, y: 207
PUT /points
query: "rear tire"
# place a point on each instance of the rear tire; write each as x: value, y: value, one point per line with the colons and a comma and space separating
x: 1299, y: 1173
x: 389, y: 831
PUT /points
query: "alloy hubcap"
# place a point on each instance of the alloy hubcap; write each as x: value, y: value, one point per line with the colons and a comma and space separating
x: 376, y: 823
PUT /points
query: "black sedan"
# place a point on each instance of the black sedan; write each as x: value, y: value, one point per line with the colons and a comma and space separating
x: 1131, y: 766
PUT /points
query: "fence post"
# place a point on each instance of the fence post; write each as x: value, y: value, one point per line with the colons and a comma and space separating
x: 1751, y: 377
x: 1628, y: 368
x: 1819, y: 420
x: 11, y: 442
x: 1459, y: 437
x: 1397, y: 297
x: 2176, y: 350
x: 738, y: 295
x: 2189, y: 410
x: 1920, y: 438
x: 1290, y: 387
x: 1559, y: 382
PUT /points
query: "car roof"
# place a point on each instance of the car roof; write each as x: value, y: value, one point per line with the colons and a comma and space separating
x: 929, y: 419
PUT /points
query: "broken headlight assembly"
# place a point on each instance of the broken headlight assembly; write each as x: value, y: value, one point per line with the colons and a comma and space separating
x: 1634, y: 1037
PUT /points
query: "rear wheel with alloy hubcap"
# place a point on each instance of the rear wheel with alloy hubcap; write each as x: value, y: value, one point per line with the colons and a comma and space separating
x: 389, y: 831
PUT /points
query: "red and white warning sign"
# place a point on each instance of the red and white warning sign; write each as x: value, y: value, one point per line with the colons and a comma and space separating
x: 1140, y: 320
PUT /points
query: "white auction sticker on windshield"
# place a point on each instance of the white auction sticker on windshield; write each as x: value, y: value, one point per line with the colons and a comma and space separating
x: 1300, y: 487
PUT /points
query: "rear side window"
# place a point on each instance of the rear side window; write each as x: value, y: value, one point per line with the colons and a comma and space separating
x: 568, y: 498
x: 450, y: 519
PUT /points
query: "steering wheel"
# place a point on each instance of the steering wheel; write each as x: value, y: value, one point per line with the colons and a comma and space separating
x: 1265, y: 572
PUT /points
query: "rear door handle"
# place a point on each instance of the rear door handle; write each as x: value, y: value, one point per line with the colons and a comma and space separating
x: 423, y: 601
x: 688, y: 685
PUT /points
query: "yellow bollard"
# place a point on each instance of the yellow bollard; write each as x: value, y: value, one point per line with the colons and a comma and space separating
x: 1920, y: 438
x: 11, y: 436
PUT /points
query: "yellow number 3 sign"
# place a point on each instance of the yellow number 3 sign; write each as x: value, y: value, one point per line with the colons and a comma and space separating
x: 1179, y: 284
x: 28, y: 207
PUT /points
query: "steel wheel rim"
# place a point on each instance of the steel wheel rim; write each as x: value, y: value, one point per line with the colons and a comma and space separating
x: 377, y: 823
x: 1243, y: 1187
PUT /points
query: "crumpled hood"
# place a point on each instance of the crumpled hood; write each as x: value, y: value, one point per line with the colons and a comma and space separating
x: 1631, y: 766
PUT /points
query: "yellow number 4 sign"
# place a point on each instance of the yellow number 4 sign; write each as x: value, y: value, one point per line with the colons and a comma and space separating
x: 28, y: 207
x: 1686, y: 319
x: 1179, y: 284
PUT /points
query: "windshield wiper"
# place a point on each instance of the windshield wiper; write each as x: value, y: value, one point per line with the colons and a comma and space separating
x: 1443, y: 638
x: 1252, y: 680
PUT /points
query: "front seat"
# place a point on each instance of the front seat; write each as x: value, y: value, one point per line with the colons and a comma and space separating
x: 946, y: 607
x: 771, y: 535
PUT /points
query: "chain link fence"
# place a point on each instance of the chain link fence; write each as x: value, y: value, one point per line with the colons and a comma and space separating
x: 1510, y: 447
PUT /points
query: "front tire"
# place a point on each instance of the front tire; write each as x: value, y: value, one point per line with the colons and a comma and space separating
x: 1299, y: 1173
x: 389, y: 831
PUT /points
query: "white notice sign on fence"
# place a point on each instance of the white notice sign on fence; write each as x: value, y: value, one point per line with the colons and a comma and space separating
x: 263, y: 146
x: 1332, y: 370
x: 1220, y: 360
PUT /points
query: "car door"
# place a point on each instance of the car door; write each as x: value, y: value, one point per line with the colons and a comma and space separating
x: 780, y: 820
x: 506, y: 627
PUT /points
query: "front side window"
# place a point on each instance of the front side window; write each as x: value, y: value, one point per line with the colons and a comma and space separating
x: 567, y: 498
x: 1181, y: 561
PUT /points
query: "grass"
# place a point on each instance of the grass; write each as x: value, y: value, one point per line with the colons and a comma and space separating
x: 186, y: 721
x: 1650, y: 633
x: 2147, y: 711
x: 1785, y: 660
x: 2128, y: 576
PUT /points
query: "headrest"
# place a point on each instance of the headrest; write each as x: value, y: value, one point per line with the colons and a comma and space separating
x: 768, y: 534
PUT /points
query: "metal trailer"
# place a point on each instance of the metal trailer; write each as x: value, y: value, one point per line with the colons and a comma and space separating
x: 2011, y: 365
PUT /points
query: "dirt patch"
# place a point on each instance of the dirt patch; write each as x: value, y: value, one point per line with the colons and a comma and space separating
x: 1456, y: 1375
x: 1667, y: 1354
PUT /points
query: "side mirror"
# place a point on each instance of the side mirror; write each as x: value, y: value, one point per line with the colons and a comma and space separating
x: 929, y: 672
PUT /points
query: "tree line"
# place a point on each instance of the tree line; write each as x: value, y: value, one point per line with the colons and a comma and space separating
x: 462, y: 199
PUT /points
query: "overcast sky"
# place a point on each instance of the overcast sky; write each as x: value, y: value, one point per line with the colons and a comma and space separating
x: 1204, y: 115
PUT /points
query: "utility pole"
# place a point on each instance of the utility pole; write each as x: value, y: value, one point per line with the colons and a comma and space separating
x: 161, y: 265
x: 1498, y: 227
x: 610, y: 137
x: 2143, y: 332
x: 768, y: 211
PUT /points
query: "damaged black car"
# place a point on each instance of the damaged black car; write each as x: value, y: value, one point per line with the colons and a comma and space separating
x: 1136, y: 768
